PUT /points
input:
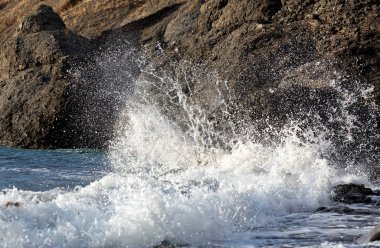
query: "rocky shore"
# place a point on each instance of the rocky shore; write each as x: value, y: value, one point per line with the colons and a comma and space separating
x: 355, y: 199
x: 279, y: 59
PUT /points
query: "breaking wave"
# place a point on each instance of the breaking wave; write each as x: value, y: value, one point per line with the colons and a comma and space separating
x: 179, y: 179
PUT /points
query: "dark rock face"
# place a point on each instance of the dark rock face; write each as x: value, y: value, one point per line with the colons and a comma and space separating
x: 342, y: 209
x: 93, y: 103
x: 34, y: 78
x: 365, y: 200
x: 44, y: 19
x: 280, y: 59
x: 284, y: 61
x: 351, y: 193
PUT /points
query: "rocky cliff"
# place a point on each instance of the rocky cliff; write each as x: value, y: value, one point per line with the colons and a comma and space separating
x: 33, y: 66
x: 280, y: 60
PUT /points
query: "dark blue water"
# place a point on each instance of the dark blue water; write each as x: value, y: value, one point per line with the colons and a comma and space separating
x: 41, y: 170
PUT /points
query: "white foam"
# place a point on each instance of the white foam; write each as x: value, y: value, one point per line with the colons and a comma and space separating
x: 169, y: 184
x: 163, y: 189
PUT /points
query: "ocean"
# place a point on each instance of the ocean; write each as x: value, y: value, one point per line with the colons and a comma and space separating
x: 42, y: 170
x: 155, y: 185
x: 171, y: 178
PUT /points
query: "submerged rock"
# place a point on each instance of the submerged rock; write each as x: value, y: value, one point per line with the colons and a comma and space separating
x: 351, y: 193
x: 373, y: 235
x: 365, y: 200
x: 12, y: 204
x: 341, y: 209
x: 166, y: 244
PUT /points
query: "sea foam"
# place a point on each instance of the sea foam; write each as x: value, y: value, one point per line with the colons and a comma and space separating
x: 177, y: 185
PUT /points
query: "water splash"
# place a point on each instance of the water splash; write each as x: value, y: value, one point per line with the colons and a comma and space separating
x: 180, y: 177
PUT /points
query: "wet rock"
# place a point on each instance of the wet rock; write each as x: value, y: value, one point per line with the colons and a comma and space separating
x: 166, y: 244
x: 12, y: 204
x: 280, y: 60
x: 373, y: 235
x: 341, y: 209
x: 351, y: 193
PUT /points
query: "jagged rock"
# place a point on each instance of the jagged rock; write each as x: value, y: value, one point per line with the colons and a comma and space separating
x: 348, y: 210
x: 166, y: 244
x: 283, y: 62
x: 351, y: 193
x: 280, y: 59
x: 34, y: 79
x: 44, y: 19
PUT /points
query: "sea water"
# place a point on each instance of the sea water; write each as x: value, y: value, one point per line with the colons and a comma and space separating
x: 41, y: 170
x: 252, y: 196
x: 187, y: 185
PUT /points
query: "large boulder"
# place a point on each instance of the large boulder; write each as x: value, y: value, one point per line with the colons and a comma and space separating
x: 34, y: 76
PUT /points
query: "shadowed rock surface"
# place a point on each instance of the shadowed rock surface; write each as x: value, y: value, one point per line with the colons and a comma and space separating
x: 343, y: 209
x: 283, y: 61
x: 280, y: 60
x: 351, y: 193
x: 34, y: 79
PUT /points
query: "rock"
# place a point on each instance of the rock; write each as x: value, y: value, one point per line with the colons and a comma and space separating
x: 373, y: 235
x: 280, y: 68
x: 351, y: 193
x: 166, y: 244
x: 12, y: 204
x: 44, y: 19
x: 280, y: 59
x: 348, y: 210
x: 34, y: 67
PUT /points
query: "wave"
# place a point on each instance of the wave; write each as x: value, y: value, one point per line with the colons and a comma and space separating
x: 188, y: 184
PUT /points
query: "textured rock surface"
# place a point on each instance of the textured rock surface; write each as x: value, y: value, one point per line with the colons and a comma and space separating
x: 34, y: 79
x: 283, y: 61
x: 351, y: 193
x: 280, y: 59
